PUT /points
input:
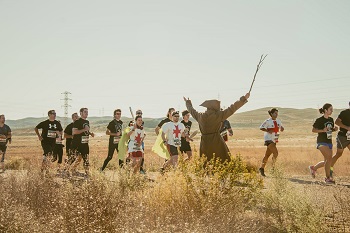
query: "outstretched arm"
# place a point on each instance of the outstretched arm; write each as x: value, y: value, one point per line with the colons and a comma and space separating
x: 234, y: 107
x: 190, y: 108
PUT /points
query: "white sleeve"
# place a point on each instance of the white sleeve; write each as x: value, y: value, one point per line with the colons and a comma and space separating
x: 165, y: 127
x: 264, y: 125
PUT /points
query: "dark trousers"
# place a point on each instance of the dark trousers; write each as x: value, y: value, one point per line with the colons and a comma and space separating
x: 111, y: 148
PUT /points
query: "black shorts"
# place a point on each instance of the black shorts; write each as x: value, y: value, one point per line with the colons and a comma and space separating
x: 47, y: 148
x: 342, y: 142
x: 185, y: 146
x: 173, y: 150
x: 2, y: 153
x: 82, y: 149
x: 267, y: 143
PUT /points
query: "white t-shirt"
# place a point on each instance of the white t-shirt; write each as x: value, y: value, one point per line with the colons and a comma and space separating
x: 271, y: 124
x: 173, y: 132
x: 135, y: 139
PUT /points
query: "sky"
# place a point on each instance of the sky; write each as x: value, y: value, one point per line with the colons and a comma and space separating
x: 149, y: 54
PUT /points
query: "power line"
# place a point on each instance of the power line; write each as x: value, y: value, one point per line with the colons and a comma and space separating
x: 66, y: 105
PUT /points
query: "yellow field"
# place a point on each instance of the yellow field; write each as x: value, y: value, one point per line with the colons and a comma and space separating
x: 185, y: 200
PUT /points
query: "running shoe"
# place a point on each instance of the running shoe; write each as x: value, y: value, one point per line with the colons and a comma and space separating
x: 329, y: 181
x: 312, y: 171
x: 262, y: 171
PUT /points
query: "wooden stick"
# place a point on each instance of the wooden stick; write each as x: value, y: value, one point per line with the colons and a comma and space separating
x: 132, y: 114
x: 262, y: 58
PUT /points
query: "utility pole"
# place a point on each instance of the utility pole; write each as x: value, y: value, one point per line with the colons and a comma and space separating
x: 66, y: 105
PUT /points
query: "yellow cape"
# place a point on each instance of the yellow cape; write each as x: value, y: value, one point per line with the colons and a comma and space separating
x: 159, y: 147
x: 123, y: 144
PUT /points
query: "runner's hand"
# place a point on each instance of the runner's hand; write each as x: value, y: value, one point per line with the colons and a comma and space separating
x: 247, y: 96
x: 3, y: 136
x: 40, y: 138
x: 335, y: 128
x: 92, y: 134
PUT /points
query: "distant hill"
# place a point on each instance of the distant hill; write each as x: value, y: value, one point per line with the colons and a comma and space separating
x: 288, y: 116
x: 254, y: 118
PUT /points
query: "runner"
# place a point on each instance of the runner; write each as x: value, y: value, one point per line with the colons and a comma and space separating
x: 343, y: 138
x: 185, y: 141
x: 226, y: 127
x: 171, y: 135
x: 58, y: 151
x: 165, y: 120
x: 324, y: 126
x: 142, y: 171
x: 271, y: 127
x: 80, y: 143
x: 50, y: 129
x: 114, y: 130
x: 5, y: 137
x: 137, y: 135
x: 68, y: 135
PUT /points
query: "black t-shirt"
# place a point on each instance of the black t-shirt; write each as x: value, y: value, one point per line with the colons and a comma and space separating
x: 78, y: 138
x: 165, y: 120
x: 69, y: 130
x: 49, y: 129
x: 187, y: 126
x: 226, y: 125
x: 344, y: 116
x: 5, y: 130
x: 322, y: 123
x: 115, y: 127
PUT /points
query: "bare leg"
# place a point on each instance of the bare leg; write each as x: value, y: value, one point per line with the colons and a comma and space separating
x: 337, y: 155
x: 274, y: 151
x: 327, y: 154
x: 266, y: 157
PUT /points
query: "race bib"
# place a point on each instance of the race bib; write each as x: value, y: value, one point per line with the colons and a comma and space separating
x: 84, y: 139
x: 3, y: 140
x: 329, y: 134
x: 116, y: 140
x: 177, y: 142
x: 136, y: 147
x: 348, y: 135
x: 51, y: 134
x: 277, y: 135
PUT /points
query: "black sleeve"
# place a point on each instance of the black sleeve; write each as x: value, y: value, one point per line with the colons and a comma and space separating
x: 110, y: 126
x: 40, y: 125
x: 75, y: 125
x: 67, y: 130
x: 227, y: 124
x: 59, y: 127
x: 342, y: 115
x: 317, y: 124
x: 161, y: 124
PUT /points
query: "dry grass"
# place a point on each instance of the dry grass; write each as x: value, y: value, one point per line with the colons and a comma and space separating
x: 190, y: 199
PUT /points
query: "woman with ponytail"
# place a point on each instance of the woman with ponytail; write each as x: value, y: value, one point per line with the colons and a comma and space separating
x: 271, y: 127
x: 324, y: 126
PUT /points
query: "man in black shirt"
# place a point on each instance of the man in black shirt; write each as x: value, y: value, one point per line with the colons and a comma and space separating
x: 50, y: 129
x: 185, y: 142
x: 114, y: 130
x: 80, y: 142
x: 5, y: 137
x: 68, y: 135
x: 343, y: 137
x: 226, y: 127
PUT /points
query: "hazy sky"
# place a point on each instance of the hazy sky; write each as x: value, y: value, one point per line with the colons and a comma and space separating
x: 148, y: 54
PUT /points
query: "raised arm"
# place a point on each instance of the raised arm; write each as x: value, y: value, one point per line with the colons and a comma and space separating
x: 234, y: 107
x: 190, y: 108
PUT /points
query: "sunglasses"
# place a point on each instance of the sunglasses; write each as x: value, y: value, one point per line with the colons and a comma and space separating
x: 139, y: 113
x: 52, y: 113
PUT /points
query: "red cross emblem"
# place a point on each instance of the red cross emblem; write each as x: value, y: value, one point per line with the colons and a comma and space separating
x: 138, y: 138
x: 176, y: 131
